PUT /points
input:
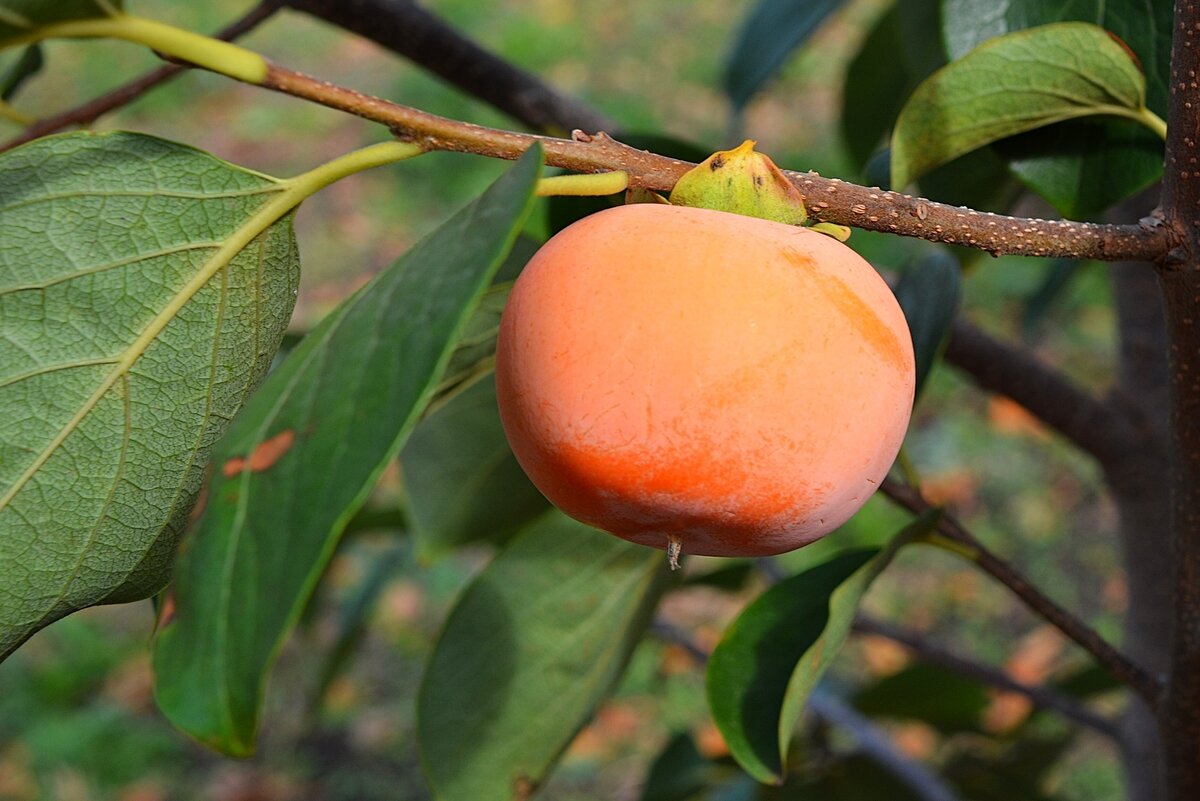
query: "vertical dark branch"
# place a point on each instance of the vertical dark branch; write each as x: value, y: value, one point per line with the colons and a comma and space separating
x: 405, y: 28
x: 1179, y: 278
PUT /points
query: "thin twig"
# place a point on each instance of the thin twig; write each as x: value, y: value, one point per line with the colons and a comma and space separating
x: 93, y: 110
x: 1043, y: 697
x: 412, y: 31
x: 1121, y: 666
x: 871, y: 742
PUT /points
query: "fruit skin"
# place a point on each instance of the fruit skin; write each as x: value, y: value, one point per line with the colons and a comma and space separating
x: 738, y: 385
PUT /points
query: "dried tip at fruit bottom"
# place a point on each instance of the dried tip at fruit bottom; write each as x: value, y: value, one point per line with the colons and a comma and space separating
x: 674, y: 551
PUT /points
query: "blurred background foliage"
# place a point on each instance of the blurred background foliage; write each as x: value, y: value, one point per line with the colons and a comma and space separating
x: 77, y: 718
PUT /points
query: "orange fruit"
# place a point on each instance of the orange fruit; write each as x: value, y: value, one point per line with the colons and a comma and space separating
x: 733, y: 385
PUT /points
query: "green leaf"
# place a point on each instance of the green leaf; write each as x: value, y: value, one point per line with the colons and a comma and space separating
x: 304, y: 454
x: 1012, y: 84
x: 1144, y: 25
x: 355, y: 615
x: 1017, y: 770
x: 530, y: 650
x: 144, y: 287
x: 929, y: 292
x: 1059, y: 275
x: 463, y: 482
x: 678, y: 773
x: 936, y: 695
x: 732, y: 576
x: 899, y: 52
x: 761, y: 673
x: 19, y: 18
x: 980, y: 180
x: 832, y: 777
x: 1082, y: 168
x: 768, y: 35
x: 28, y: 64
x: 474, y: 355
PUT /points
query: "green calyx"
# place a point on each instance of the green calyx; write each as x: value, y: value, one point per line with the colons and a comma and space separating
x: 744, y: 181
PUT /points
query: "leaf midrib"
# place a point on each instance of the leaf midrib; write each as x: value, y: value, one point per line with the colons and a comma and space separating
x: 268, y: 214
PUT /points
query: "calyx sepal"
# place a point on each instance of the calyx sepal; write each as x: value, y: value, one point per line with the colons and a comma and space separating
x: 742, y: 181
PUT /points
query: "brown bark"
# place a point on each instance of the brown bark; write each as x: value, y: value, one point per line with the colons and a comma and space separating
x: 1179, y: 279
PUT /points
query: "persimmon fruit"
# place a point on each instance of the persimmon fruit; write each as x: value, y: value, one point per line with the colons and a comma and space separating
x: 703, y: 381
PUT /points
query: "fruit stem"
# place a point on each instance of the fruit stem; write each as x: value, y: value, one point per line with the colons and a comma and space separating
x: 674, y: 550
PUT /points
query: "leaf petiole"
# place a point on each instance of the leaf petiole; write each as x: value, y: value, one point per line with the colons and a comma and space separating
x: 213, y: 54
x: 584, y: 185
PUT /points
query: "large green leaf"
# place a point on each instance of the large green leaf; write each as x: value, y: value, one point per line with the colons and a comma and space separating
x: 20, y: 17
x: 1144, y: 25
x: 533, y: 645
x: 462, y: 480
x: 1081, y: 168
x: 1013, y: 84
x: 144, y: 287
x: 303, y: 455
x: 761, y: 673
x: 768, y: 35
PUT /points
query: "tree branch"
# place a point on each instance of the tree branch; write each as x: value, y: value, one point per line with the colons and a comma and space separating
x: 1179, y: 279
x: 1042, y: 697
x: 123, y: 95
x: 406, y: 28
x: 1096, y: 426
x: 1118, y: 664
x: 830, y: 200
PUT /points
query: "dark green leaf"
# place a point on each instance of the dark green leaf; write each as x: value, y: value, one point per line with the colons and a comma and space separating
x: 474, y: 354
x: 1012, y: 84
x: 854, y: 777
x: 1081, y: 168
x: 1144, y: 25
x: 679, y: 772
x: 894, y: 58
x: 355, y: 614
x: 1087, y: 681
x: 929, y: 292
x: 943, y: 698
x: 732, y: 576
x: 1057, y: 280
x: 769, y: 661
x: 530, y: 650
x: 28, y: 64
x: 462, y: 480
x: 980, y: 180
x: 1085, y: 166
x: 303, y: 455
x: 1017, y: 770
x: 144, y: 287
x: 768, y: 35
x: 20, y: 18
